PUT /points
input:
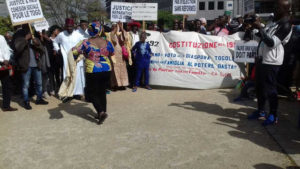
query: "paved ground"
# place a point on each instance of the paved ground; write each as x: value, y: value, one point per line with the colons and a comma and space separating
x: 159, y: 129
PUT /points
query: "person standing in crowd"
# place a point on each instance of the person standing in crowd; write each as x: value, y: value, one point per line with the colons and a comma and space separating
x: 119, y: 78
x: 56, y: 62
x: 203, y: 25
x: 83, y: 29
x: 270, y: 57
x: 97, y: 68
x: 134, y: 38
x: 142, y: 53
x: 221, y: 29
x: 28, y: 51
x: 5, y: 72
x: 64, y: 42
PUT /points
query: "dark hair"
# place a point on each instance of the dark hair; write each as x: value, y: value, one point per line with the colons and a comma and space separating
x: 53, y: 28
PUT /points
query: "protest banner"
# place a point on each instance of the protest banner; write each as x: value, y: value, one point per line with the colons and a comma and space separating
x: 144, y: 11
x: 245, y: 52
x: 199, y: 62
x: 184, y: 7
x: 121, y: 11
x: 248, y: 6
x: 24, y: 11
x: 41, y: 25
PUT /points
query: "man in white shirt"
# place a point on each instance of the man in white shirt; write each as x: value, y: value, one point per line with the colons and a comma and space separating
x: 64, y: 42
x: 83, y: 29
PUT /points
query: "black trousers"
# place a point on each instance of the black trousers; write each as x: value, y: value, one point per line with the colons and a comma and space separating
x: 6, y: 88
x: 95, y: 91
x: 266, y: 87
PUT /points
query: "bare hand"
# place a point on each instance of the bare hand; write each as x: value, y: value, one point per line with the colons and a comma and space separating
x: 257, y: 24
x: 28, y: 36
x: 36, y: 42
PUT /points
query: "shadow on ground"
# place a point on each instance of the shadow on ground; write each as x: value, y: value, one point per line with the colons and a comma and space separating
x: 237, y: 120
x: 270, y: 166
x: 75, y: 109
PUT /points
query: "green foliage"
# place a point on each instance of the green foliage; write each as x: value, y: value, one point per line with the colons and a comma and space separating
x: 5, y: 25
x: 166, y: 18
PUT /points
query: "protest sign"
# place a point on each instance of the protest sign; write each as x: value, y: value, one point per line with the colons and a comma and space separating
x: 184, y: 7
x: 199, y: 62
x: 41, y: 25
x: 121, y: 11
x: 144, y: 11
x: 245, y: 52
x: 24, y: 11
x: 248, y: 6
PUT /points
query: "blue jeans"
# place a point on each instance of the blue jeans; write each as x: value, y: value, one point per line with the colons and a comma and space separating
x: 37, y: 75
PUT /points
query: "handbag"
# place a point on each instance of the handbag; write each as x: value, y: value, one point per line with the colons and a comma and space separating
x: 125, y: 53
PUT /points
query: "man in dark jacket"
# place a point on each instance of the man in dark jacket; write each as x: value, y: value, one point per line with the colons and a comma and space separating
x: 28, y: 51
x: 270, y: 58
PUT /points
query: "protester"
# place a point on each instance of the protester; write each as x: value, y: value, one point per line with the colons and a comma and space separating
x: 56, y: 60
x: 142, y: 53
x: 83, y: 29
x: 28, y: 51
x: 221, y: 29
x: 203, y: 25
x: 119, y: 78
x: 134, y: 38
x: 63, y: 43
x: 5, y: 72
x: 97, y: 68
x: 270, y: 57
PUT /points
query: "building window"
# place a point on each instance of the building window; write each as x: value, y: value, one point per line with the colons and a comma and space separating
x: 211, y: 5
x: 220, y: 5
x: 201, y: 5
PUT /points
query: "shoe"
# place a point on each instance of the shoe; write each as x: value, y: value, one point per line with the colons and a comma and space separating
x: 270, y: 120
x: 66, y: 99
x: 46, y: 95
x: 77, y: 97
x: 9, y: 109
x: 107, y: 92
x: 27, y: 106
x: 257, y: 115
x: 41, y: 102
x: 134, y: 89
x: 102, y: 118
x: 52, y: 93
x: 148, y: 87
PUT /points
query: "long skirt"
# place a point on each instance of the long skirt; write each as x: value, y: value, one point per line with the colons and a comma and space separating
x: 95, y: 91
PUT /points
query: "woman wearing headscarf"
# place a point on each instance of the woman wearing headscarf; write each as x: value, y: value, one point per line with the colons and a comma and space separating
x: 98, y: 53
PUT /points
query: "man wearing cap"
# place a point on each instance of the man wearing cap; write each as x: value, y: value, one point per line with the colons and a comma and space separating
x: 83, y: 29
x: 64, y: 42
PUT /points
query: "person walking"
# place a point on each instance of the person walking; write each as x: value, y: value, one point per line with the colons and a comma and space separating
x: 98, y: 53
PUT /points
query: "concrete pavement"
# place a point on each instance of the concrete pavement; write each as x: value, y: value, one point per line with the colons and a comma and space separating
x: 159, y: 129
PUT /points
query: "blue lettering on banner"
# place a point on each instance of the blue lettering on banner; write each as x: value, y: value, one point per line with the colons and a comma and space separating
x: 223, y: 58
x: 204, y: 65
x: 226, y: 66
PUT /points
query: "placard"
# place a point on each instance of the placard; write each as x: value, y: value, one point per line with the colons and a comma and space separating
x: 184, y: 7
x: 121, y: 11
x: 144, y: 11
x: 41, y: 25
x: 245, y: 52
x: 24, y: 11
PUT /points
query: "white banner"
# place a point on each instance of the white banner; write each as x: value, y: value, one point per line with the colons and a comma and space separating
x: 144, y: 11
x: 245, y: 51
x: 41, y: 25
x: 248, y: 6
x: 229, y: 5
x: 198, y: 62
x: 120, y: 11
x: 24, y: 11
x: 184, y: 7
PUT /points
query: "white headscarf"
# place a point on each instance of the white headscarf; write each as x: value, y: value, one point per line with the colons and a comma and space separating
x: 5, y: 51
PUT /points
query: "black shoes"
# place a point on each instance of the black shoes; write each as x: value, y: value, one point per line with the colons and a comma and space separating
x: 27, y: 106
x: 41, y: 102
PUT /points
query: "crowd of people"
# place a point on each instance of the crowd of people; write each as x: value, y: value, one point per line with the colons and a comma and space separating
x: 88, y: 60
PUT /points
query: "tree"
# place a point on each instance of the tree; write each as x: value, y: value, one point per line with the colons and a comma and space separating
x: 58, y: 10
x: 5, y: 25
x: 166, y: 19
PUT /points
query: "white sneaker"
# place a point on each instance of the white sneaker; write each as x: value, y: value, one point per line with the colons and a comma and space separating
x: 46, y: 95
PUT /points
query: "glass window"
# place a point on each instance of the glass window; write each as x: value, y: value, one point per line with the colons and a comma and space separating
x: 211, y: 5
x: 201, y: 5
x: 220, y: 5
